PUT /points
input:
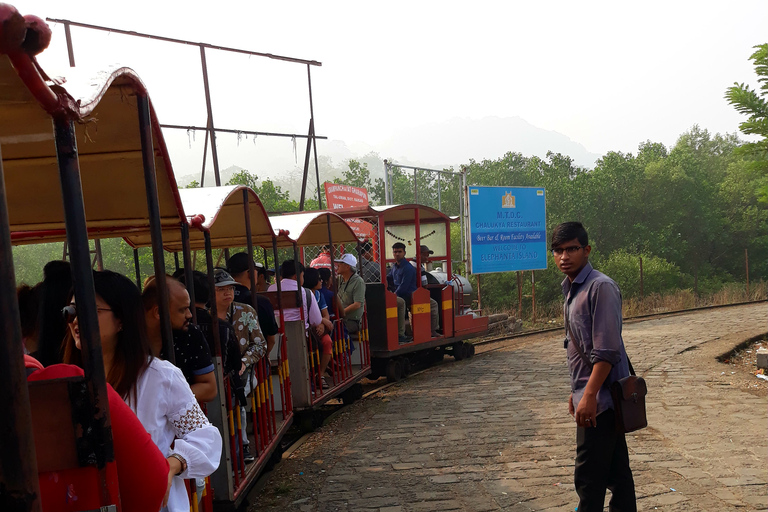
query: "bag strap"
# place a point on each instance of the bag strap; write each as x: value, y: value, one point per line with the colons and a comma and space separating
x: 581, y: 352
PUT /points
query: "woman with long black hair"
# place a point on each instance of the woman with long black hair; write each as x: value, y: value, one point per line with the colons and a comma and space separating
x: 154, y: 389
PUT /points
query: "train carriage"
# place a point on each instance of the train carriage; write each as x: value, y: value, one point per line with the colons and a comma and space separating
x: 414, y: 225
x: 351, y: 360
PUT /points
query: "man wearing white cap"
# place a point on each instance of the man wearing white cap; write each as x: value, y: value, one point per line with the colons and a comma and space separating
x: 351, y: 288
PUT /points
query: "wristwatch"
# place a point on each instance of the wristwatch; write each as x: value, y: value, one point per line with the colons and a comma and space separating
x: 182, y: 460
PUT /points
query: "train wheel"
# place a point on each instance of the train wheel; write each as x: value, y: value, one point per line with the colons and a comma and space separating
x: 406, y: 365
x: 436, y: 356
x: 275, y: 458
x: 394, y: 370
x: 459, y: 350
x: 352, y: 394
x: 471, y: 351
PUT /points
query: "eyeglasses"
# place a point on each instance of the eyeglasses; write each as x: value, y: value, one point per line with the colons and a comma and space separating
x: 70, y: 312
x: 570, y: 250
x: 225, y: 289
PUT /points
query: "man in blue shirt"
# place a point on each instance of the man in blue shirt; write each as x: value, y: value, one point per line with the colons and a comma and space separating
x: 404, y: 277
x: 593, y: 324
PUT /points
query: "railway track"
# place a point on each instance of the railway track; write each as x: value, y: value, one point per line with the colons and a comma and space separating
x: 294, y: 439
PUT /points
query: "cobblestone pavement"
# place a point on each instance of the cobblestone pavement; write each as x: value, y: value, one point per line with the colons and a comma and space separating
x: 493, y: 432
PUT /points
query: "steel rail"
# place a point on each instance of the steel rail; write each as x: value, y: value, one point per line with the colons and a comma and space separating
x: 240, y: 132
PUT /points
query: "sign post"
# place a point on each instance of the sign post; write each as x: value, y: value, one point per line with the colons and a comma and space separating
x: 507, y: 229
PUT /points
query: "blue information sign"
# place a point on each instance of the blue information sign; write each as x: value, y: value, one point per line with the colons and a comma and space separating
x: 507, y: 229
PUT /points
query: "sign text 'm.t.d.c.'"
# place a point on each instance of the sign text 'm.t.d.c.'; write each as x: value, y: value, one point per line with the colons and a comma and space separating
x: 507, y: 229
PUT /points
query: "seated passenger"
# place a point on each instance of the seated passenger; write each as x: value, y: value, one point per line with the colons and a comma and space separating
x: 238, y: 269
x: 424, y: 252
x: 291, y: 277
x: 404, y: 284
x: 155, y: 390
x: 253, y: 347
x: 312, y: 282
x: 326, y: 290
x: 193, y: 355
x: 351, y: 292
x: 140, y: 465
x: 29, y: 308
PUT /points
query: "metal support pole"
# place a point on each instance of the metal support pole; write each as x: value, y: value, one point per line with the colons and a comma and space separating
x: 176, y: 260
x: 386, y: 182
x: 464, y: 220
x: 641, y: 278
x: 415, y: 188
x: 82, y: 277
x: 314, y: 140
x: 218, y: 349
x: 70, y: 50
x: 533, y: 296
x: 439, y: 192
x: 188, y: 270
x: 99, y: 259
x: 137, y: 267
x: 519, y: 295
x: 310, y: 133
x: 206, y: 86
x: 155, y: 228
x: 18, y: 462
x: 479, y: 300
x: 208, y: 130
x: 417, y: 236
x: 746, y: 264
x: 249, y: 241
x: 332, y: 250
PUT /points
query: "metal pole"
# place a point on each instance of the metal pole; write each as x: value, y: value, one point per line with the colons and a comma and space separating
x: 188, y: 270
x: 218, y: 349
x: 70, y: 50
x: 417, y: 236
x: 519, y: 295
x: 464, y: 220
x: 314, y: 140
x: 206, y: 86
x: 310, y: 132
x: 386, y: 182
x: 332, y: 249
x: 99, y: 259
x: 746, y: 264
x: 137, y: 267
x: 533, y: 296
x: 155, y: 228
x: 641, y: 278
x: 479, y: 302
x: 18, y: 461
x: 439, y: 199
x: 415, y: 188
x: 249, y: 241
x: 82, y: 277
x: 208, y: 130
x: 176, y: 260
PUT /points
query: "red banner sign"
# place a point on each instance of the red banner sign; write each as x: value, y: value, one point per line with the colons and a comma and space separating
x: 339, y: 197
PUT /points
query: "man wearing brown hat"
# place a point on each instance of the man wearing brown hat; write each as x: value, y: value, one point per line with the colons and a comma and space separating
x: 424, y: 252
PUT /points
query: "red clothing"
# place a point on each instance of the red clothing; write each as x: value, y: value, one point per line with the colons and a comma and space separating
x: 323, y: 260
x: 141, y: 470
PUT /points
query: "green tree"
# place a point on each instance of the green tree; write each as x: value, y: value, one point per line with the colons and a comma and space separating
x: 754, y: 104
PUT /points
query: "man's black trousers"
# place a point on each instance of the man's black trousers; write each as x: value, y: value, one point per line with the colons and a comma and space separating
x: 602, y: 462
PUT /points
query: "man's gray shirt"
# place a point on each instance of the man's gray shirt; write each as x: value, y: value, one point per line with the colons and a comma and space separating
x: 593, y: 311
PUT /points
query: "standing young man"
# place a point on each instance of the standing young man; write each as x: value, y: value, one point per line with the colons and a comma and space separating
x: 592, y: 312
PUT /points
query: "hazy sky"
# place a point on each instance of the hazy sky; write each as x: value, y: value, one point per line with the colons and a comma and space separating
x: 606, y: 74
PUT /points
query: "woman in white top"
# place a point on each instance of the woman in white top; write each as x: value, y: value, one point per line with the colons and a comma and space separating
x: 155, y: 390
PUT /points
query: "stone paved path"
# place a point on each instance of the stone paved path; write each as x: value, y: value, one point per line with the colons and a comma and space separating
x: 493, y: 432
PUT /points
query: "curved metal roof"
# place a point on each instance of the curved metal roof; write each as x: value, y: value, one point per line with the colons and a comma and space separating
x: 311, y: 228
x: 398, y: 213
x: 220, y: 211
x: 104, y: 110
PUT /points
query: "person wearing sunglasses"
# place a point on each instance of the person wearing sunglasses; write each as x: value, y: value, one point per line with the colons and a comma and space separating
x: 593, y: 330
x: 155, y: 390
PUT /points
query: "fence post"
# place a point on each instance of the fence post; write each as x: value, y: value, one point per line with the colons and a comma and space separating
x: 533, y: 296
x: 746, y: 264
x: 641, y: 278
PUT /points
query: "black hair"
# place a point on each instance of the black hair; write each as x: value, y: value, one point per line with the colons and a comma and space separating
x: 398, y: 245
x: 325, y: 275
x: 29, y: 308
x: 568, y: 231
x: 200, y: 285
x: 288, y: 269
x: 311, y: 277
x: 132, y: 352
x: 366, y: 246
x: 55, y: 293
x: 238, y: 263
x: 178, y: 273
